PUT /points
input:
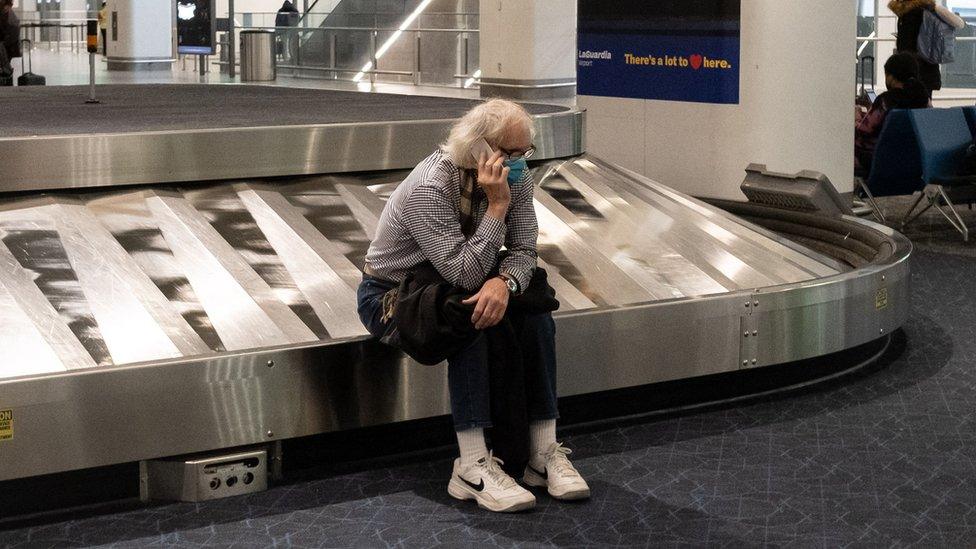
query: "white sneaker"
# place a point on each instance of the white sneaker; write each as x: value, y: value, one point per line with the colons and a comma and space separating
x: 559, y: 476
x: 486, y: 483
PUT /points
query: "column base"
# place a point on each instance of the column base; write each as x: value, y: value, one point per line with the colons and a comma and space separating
x: 527, y: 89
x: 139, y: 65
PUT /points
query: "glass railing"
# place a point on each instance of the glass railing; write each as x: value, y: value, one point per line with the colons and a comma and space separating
x: 439, y: 48
x: 54, y: 28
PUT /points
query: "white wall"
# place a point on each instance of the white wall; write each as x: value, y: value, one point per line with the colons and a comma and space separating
x: 146, y: 29
x: 796, y: 110
x: 533, y: 40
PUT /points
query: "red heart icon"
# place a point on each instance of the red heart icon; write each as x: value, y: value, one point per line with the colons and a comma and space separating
x: 696, y: 61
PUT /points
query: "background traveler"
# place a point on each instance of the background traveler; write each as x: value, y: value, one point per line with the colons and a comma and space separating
x: 288, y: 16
x: 905, y: 91
x: 9, y: 37
x: 103, y: 27
x: 910, y: 16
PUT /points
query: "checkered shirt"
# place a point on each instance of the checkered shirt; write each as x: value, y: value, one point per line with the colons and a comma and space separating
x: 422, y: 222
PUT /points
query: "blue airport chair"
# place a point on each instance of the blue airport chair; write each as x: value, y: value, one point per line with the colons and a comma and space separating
x: 943, y: 136
x: 896, y: 168
x: 970, y: 113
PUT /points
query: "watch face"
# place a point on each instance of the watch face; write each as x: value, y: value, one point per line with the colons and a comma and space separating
x: 512, y: 286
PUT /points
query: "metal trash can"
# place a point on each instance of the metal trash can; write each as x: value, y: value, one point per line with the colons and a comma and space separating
x: 258, y: 63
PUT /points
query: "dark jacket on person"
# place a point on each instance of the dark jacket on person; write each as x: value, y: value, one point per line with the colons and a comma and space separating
x: 430, y: 324
x: 10, y: 34
x: 287, y: 15
x: 910, y: 16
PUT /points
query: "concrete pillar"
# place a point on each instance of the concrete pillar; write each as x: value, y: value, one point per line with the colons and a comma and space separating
x: 795, y: 111
x: 141, y: 35
x: 528, y: 49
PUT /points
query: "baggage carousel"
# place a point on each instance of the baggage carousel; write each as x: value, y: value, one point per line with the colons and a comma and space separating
x: 178, y: 270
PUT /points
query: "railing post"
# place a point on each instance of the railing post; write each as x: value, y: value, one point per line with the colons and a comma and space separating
x: 232, y: 46
x: 464, y: 55
x: 333, y: 44
x: 372, y: 56
x: 416, y: 59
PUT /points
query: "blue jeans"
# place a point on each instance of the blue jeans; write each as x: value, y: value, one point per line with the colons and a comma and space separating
x: 467, y: 371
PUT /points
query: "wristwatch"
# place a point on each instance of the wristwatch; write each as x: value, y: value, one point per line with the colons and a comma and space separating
x: 513, y: 286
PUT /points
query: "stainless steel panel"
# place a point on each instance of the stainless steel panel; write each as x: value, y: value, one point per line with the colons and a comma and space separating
x: 225, y: 268
x: 238, y: 399
x: 162, y: 274
x: 72, y: 161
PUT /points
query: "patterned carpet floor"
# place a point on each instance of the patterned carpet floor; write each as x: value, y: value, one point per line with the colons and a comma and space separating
x: 886, y: 457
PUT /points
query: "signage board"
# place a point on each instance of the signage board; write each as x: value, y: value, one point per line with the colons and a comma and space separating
x: 674, y: 50
x: 195, y: 27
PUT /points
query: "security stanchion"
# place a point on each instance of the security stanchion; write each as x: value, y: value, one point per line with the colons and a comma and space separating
x: 92, y: 50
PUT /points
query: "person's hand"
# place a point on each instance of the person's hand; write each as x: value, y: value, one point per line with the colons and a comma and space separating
x: 493, y: 179
x: 858, y: 114
x: 491, y: 301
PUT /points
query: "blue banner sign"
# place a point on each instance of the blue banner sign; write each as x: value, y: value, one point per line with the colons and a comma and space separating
x: 673, y: 50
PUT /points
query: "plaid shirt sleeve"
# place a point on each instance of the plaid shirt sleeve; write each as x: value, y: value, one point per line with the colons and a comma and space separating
x: 431, y: 217
x: 523, y: 232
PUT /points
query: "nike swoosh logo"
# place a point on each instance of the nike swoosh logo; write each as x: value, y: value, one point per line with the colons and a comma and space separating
x: 543, y: 474
x: 479, y: 487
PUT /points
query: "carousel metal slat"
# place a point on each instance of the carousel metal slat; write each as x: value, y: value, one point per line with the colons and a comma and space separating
x: 31, y: 330
x: 129, y: 331
x: 691, y: 242
x: 636, y: 270
x: 605, y: 278
x: 318, y: 267
x: 365, y: 206
x: 129, y: 288
x: 674, y: 269
x: 804, y: 262
x: 570, y: 298
x: 243, y: 308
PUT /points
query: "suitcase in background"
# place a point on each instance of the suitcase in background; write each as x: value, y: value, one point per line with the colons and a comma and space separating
x: 28, y: 78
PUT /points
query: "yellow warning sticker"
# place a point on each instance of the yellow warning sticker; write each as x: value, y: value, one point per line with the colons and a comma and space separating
x: 881, y: 299
x: 6, y: 425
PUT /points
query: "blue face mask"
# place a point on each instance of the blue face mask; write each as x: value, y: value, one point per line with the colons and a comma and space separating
x: 515, y: 170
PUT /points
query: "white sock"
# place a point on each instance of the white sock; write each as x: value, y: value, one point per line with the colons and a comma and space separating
x: 542, y: 435
x: 472, y: 445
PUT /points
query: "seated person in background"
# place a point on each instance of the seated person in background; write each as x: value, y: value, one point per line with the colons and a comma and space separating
x: 905, y: 91
x: 455, y: 211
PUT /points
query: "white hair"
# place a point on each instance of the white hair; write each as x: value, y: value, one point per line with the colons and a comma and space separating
x: 490, y: 120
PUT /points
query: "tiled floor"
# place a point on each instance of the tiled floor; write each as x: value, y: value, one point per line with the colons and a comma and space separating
x: 886, y: 458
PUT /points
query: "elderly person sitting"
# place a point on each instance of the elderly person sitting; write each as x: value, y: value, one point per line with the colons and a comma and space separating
x: 455, y: 211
